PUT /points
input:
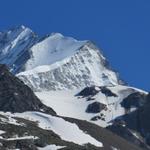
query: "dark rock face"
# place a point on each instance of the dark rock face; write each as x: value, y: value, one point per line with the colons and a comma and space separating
x: 95, y: 118
x: 98, y: 117
x: 136, y: 99
x: 107, y: 92
x: 95, y: 107
x: 88, y: 91
x: 93, y: 90
x: 15, y: 96
x: 144, y: 117
x: 124, y: 132
x: 134, y: 119
x: 138, y: 120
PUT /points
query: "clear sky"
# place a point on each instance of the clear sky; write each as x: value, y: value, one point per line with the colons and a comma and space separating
x: 120, y: 27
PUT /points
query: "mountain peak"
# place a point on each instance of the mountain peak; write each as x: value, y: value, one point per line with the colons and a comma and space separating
x: 79, y: 63
x: 23, y: 27
x: 52, y: 49
x: 67, y: 64
x: 16, y: 29
x: 56, y: 34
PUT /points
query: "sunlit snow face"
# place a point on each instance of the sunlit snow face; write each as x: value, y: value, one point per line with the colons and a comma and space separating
x: 52, y: 49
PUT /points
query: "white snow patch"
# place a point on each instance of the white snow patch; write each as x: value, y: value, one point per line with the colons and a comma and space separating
x: 113, y: 148
x: 51, y: 147
x: 135, y: 134
x: 65, y: 103
x: 2, y: 132
x: 19, y: 138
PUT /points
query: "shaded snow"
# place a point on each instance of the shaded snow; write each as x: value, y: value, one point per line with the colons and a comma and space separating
x: 14, y: 45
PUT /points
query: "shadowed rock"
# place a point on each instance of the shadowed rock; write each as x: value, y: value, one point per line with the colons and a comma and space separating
x: 15, y: 96
x: 95, y: 107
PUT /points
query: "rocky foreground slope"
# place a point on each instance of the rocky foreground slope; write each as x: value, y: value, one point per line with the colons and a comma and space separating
x: 27, y: 124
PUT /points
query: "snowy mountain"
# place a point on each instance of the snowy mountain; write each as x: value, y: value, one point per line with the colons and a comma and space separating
x: 54, y: 61
x: 73, y: 79
x: 60, y: 62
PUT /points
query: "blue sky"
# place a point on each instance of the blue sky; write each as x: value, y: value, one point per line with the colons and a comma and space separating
x: 120, y: 27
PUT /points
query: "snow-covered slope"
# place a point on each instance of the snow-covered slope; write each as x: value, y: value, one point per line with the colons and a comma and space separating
x: 36, y: 130
x: 51, y: 147
x: 66, y: 130
x: 72, y: 68
x: 100, y: 107
x: 53, y: 48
